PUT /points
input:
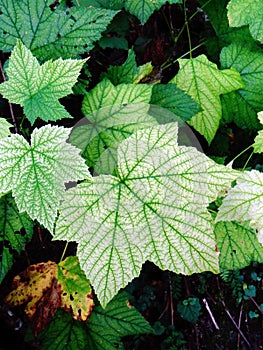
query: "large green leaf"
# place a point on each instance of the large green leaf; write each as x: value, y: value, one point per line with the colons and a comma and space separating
x: 242, y: 106
x: 11, y: 235
x: 238, y: 245
x: 38, y: 88
x: 50, y: 33
x: 4, y: 128
x: 114, y: 113
x: 156, y: 209
x: 247, y: 12
x: 102, y: 332
x: 36, y: 172
x: 258, y: 144
x: 143, y: 9
x: 128, y: 72
x: 202, y: 80
x: 245, y: 202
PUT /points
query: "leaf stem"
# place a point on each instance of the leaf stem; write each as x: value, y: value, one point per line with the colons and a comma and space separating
x: 240, y: 154
x: 64, y: 252
x: 188, y: 30
x: 10, y: 105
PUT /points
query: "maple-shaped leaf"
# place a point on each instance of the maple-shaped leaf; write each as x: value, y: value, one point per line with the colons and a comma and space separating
x: 102, y: 332
x: 36, y: 172
x: 37, y: 287
x: 245, y: 202
x: 4, y: 128
x: 258, y: 144
x: 238, y: 245
x: 202, y: 80
x: 247, y: 12
x: 143, y: 9
x: 155, y: 209
x: 38, y: 87
x: 76, y: 290
x: 241, y: 106
x: 128, y: 72
x: 16, y: 229
x: 51, y: 33
x: 113, y: 114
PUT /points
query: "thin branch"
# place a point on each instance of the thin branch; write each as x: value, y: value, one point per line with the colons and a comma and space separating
x: 10, y: 105
x: 210, y: 313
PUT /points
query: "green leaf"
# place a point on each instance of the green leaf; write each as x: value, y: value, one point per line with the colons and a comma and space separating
x: 202, y: 80
x: 114, y: 114
x: 247, y: 12
x: 128, y: 72
x: 175, y: 100
x: 258, y: 144
x: 143, y: 9
x: 245, y: 202
x: 242, y: 106
x: 60, y: 32
x: 4, y: 128
x: 11, y: 236
x: 118, y: 319
x: 238, y: 245
x: 36, y: 172
x: 113, y: 42
x: 38, y: 88
x: 76, y: 290
x: 156, y: 209
x: 189, y: 309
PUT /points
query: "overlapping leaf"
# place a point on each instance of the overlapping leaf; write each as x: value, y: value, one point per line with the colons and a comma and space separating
x: 242, y: 106
x: 16, y: 230
x: 114, y: 113
x: 258, y: 144
x: 60, y: 32
x: 245, y: 202
x: 202, y: 80
x: 128, y: 72
x: 238, y: 245
x: 38, y: 88
x: 36, y: 172
x: 4, y: 128
x: 156, y: 209
x: 247, y: 12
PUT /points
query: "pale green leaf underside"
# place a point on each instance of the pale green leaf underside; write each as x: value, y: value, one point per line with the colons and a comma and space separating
x: 114, y: 113
x: 155, y: 210
x: 11, y: 222
x: 242, y: 106
x: 247, y: 12
x: 38, y: 88
x: 51, y: 34
x: 202, y: 80
x: 128, y: 72
x: 36, y: 173
x: 143, y: 9
x: 238, y: 245
x: 245, y: 202
x: 258, y: 144
x: 4, y: 128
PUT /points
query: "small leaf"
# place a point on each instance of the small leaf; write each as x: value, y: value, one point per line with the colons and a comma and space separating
x: 242, y: 106
x: 36, y: 286
x: 128, y: 72
x: 11, y: 225
x: 4, y: 128
x: 245, y: 202
x: 38, y: 88
x: 156, y: 209
x: 50, y: 34
x: 36, y: 172
x: 247, y: 12
x: 202, y: 80
x: 189, y: 309
x: 258, y: 144
x: 75, y: 289
x: 238, y: 245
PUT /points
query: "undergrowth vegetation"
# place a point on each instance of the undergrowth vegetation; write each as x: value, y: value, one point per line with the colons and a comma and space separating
x: 131, y: 186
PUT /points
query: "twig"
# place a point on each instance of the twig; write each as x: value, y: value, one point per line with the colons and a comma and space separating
x: 171, y: 300
x: 210, y: 313
x: 239, y: 325
x: 256, y: 304
x: 10, y: 105
x: 234, y: 323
